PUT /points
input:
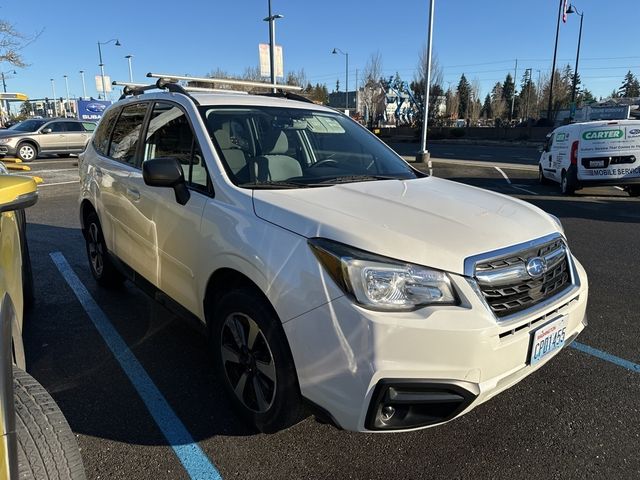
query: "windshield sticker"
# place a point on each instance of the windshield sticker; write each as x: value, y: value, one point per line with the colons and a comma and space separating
x: 561, y: 137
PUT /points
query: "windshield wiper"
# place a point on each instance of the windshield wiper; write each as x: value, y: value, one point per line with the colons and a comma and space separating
x: 359, y: 178
x: 274, y: 184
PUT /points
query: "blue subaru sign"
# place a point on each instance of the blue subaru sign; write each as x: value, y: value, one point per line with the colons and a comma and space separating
x: 92, y: 109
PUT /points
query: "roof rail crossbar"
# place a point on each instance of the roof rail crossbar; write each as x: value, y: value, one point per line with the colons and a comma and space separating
x: 287, y: 95
x: 224, y: 81
x: 131, y: 88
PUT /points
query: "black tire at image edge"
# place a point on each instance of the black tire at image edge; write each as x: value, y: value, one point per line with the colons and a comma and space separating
x: 47, y: 448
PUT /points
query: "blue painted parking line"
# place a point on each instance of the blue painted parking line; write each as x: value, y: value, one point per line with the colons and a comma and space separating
x: 193, y: 459
x: 607, y: 357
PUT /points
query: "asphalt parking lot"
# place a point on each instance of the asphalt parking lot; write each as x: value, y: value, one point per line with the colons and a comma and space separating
x: 578, y: 417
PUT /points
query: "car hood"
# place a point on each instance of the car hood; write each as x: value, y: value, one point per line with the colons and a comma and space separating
x: 13, y: 133
x: 428, y: 221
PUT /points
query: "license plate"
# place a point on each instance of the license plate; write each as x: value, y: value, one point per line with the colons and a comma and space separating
x: 548, y: 339
x: 596, y: 163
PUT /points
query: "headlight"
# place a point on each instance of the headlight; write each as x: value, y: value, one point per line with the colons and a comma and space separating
x: 557, y: 222
x: 380, y: 283
x: 5, y: 140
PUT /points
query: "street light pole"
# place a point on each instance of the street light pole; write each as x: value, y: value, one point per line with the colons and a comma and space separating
x: 55, y: 105
x: 84, y: 86
x: 528, y: 74
x: 66, y: 83
x: 272, y: 44
x: 101, y: 64
x: 572, y: 9
x: 423, y: 154
x: 513, y: 97
x: 129, y: 57
x: 553, y: 67
x: 346, y: 87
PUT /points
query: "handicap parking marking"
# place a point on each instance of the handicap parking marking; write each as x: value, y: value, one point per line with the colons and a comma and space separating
x: 607, y: 357
x: 193, y: 459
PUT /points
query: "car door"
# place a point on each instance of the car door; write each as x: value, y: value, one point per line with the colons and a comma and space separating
x: 52, y: 137
x: 170, y: 232
x: 76, y: 136
x: 118, y: 200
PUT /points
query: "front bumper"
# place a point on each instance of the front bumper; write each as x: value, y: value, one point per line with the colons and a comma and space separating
x: 343, y: 352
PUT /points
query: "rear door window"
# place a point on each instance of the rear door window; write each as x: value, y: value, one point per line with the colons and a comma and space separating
x: 126, y: 133
x: 103, y: 132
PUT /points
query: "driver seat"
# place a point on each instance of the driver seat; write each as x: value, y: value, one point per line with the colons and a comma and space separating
x: 275, y: 165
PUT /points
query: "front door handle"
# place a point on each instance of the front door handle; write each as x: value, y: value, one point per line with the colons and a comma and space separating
x: 133, y: 194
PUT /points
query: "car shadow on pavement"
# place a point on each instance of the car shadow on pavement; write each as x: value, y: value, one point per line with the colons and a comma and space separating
x: 67, y: 355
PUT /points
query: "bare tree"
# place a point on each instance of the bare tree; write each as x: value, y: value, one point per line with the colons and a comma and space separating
x: 298, y: 78
x: 437, y: 74
x: 498, y: 103
x: 11, y: 44
x: 372, y: 91
x: 452, y: 104
x: 475, y: 106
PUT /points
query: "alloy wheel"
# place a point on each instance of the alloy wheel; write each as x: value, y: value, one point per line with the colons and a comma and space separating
x: 27, y: 152
x: 248, y: 362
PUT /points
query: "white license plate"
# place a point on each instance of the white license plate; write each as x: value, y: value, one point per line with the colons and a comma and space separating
x: 548, y: 339
x: 596, y: 163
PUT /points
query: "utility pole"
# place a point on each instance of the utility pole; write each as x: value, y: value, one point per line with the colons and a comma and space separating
x: 553, y: 66
x: 513, y: 97
x: 528, y: 85
x: 423, y: 154
x: 272, y: 44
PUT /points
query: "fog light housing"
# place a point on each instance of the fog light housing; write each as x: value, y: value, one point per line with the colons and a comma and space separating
x: 403, y: 404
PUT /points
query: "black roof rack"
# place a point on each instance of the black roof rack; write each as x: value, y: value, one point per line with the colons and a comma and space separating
x: 161, y: 84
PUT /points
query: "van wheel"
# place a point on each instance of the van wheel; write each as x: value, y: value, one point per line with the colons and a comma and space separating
x: 542, y: 180
x: 567, y: 183
x: 102, y: 268
x: 253, y: 361
x: 47, y: 448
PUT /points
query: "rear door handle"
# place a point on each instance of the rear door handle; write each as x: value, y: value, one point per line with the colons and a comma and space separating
x: 133, y: 194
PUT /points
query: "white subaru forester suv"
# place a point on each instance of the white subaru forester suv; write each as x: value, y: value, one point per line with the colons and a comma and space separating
x: 329, y: 274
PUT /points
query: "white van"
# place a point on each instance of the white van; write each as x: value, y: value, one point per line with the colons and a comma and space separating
x: 593, y: 153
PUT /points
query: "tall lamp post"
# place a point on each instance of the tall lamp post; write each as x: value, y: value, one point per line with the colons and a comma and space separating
x: 66, y: 84
x: 104, y: 87
x: 84, y: 86
x: 4, y: 87
x: 55, y: 103
x: 423, y: 154
x: 553, y: 67
x: 129, y: 57
x: 573, y: 9
x: 272, y: 44
x: 346, y: 71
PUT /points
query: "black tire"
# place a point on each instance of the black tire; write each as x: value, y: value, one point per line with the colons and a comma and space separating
x: 634, y: 191
x: 268, y: 357
x: 27, y: 270
x: 100, y: 264
x: 27, y: 151
x: 542, y: 180
x: 568, y: 182
x: 47, y: 448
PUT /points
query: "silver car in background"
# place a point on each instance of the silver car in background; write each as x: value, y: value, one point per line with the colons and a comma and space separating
x: 30, y: 138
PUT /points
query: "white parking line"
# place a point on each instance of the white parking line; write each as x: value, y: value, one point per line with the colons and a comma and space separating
x: 503, y: 174
x: 57, y: 183
x: 193, y: 459
x: 524, y: 189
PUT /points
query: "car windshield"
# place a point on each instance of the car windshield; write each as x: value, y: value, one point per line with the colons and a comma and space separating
x: 28, y: 125
x: 274, y: 147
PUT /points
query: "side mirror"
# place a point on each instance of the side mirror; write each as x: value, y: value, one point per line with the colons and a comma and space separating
x: 166, y: 172
x: 17, y: 193
x: 46, y: 130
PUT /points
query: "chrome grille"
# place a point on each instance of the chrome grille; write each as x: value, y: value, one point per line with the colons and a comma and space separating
x: 507, y: 286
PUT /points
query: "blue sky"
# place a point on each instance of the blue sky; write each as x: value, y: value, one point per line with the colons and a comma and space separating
x: 480, y: 38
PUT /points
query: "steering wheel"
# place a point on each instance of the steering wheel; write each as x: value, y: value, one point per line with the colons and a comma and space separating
x: 326, y: 161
